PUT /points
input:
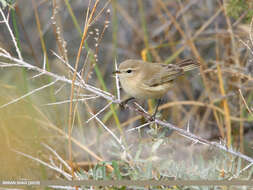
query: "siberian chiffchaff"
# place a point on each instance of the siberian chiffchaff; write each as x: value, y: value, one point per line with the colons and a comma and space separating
x: 144, y: 80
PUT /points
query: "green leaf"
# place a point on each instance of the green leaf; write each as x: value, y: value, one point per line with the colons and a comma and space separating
x: 116, y: 170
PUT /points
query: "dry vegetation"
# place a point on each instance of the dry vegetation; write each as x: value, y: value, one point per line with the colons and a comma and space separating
x: 59, y: 102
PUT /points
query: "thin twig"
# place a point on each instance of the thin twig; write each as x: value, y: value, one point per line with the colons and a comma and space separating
x: 107, y: 129
x: 204, y: 141
x: 68, y: 101
x: 85, y: 86
x: 139, y: 127
x: 245, y: 103
x: 251, y: 31
x: 117, y: 81
x: 100, y: 111
x: 11, y: 34
x: 69, y: 177
x: 28, y: 94
x: 57, y: 155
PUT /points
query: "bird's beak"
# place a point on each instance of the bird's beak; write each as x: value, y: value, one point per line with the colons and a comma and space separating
x: 115, y: 72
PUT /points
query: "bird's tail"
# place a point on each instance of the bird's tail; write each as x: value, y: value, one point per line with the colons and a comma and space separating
x: 188, y: 64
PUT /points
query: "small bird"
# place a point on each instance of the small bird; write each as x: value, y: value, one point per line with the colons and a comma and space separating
x: 145, y: 80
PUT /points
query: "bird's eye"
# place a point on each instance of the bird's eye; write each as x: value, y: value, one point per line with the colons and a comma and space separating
x: 129, y: 71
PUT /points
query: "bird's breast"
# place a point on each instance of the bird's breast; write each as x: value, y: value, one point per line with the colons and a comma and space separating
x: 136, y: 88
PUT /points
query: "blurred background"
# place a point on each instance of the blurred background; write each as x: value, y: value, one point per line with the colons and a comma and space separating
x: 214, y: 102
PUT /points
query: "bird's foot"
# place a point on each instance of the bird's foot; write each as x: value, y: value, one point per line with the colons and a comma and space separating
x: 123, y: 103
x: 155, y: 116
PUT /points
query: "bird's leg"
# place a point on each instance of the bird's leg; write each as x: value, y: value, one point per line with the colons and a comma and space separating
x: 156, y: 108
x: 124, y: 102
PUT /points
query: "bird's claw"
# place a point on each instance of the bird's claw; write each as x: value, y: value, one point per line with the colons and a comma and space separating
x: 153, y: 117
x: 123, y: 103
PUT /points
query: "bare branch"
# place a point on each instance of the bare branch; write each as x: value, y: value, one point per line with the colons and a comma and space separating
x: 28, y: 94
x: 204, y: 141
x: 68, y: 101
x: 85, y: 86
x: 107, y: 129
x: 117, y: 81
x: 68, y: 176
x: 11, y: 34
x: 57, y: 155
x: 100, y: 111
x: 139, y: 127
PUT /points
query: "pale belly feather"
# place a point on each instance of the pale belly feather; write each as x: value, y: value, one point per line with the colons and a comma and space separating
x: 141, y: 91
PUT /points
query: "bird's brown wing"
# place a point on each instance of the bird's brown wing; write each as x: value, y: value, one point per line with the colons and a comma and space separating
x: 164, y: 74
x: 188, y: 64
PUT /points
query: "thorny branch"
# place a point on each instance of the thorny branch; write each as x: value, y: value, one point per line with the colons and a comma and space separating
x: 132, y: 107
